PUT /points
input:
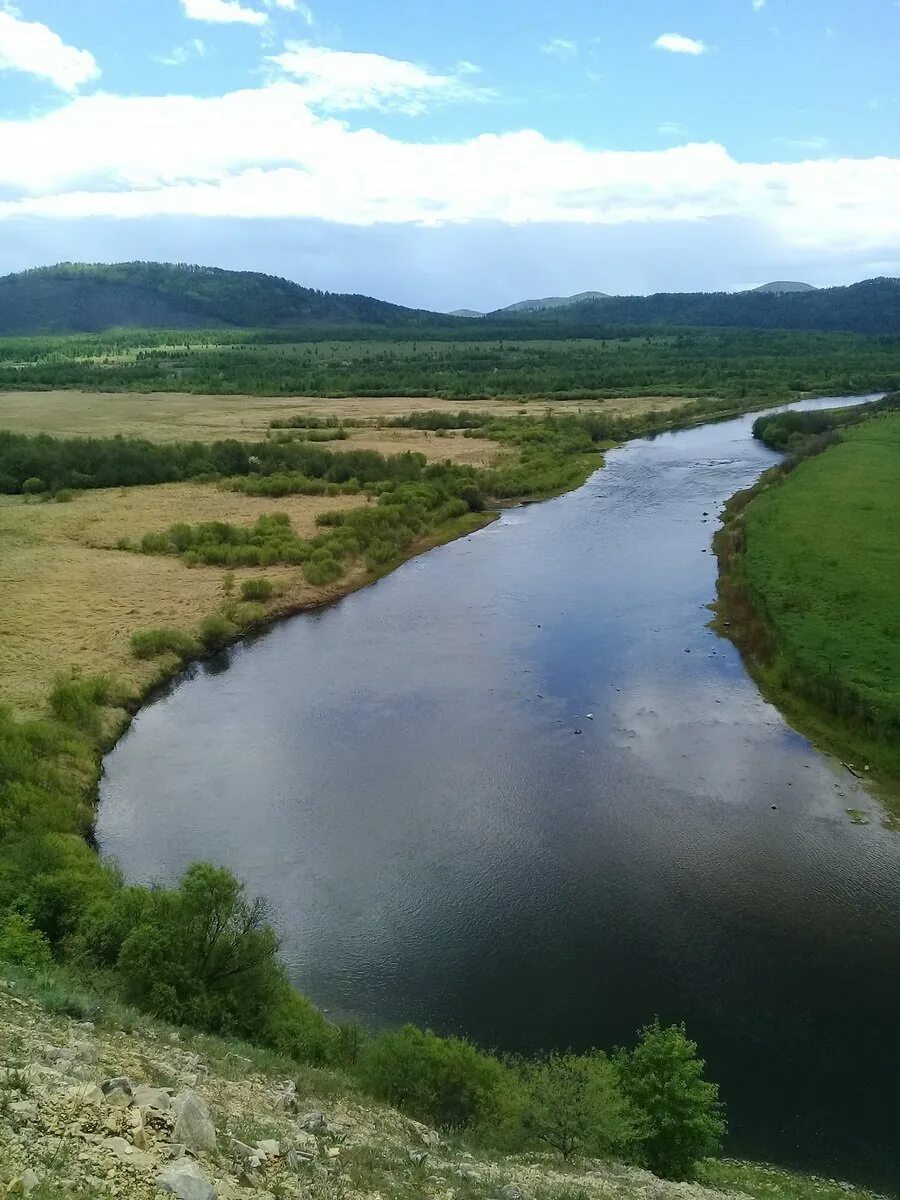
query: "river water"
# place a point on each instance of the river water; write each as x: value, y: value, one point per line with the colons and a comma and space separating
x: 518, y: 790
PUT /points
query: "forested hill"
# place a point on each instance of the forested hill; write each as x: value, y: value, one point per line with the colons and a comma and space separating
x: 79, y: 298
x: 869, y: 307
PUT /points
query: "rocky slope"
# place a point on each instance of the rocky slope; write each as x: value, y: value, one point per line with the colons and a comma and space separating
x: 89, y: 1110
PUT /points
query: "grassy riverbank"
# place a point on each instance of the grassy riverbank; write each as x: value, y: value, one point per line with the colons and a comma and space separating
x: 809, y: 560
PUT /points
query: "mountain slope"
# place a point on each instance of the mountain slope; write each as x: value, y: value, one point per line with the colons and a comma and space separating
x: 869, y: 307
x: 77, y: 298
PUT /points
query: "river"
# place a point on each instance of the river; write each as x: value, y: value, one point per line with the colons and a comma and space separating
x: 519, y: 790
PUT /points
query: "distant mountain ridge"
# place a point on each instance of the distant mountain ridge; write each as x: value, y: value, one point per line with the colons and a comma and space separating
x: 85, y: 298
x: 872, y: 306
x: 89, y: 298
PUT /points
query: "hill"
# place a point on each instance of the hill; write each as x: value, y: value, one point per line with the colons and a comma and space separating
x: 465, y: 312
x: 869, y: 307
x: 90, y: 298
x: 526, y: 306
x: 780, y: 286
x: 100, y: 1103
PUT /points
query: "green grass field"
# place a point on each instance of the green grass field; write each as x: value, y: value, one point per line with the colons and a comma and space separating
x: 822, y: 564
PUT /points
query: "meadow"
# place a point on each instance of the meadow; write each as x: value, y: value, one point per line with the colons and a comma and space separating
x: 819, y: 557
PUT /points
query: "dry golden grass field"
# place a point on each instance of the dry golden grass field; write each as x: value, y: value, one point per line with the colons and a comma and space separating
x: 69, y: 600
x: 169, y: 416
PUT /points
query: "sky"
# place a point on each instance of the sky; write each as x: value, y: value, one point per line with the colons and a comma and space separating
x: 464, y: 154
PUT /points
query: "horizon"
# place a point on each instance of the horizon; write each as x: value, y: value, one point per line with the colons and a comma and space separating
x: 456, y: 164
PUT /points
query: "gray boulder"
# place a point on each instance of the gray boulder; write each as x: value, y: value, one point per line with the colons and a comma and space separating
x: 194, y: 1127
x: 118, y: 1091
x: 184, y: 1179
x: 155, y: 1099
x: 313, y: 1122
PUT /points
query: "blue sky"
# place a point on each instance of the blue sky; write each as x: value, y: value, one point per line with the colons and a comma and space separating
x: 456, y: 154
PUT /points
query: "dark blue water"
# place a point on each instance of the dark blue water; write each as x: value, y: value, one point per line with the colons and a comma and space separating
x: 412, y: 778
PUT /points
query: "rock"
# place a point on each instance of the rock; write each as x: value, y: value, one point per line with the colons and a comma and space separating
x: 85, y: 1093
x: 269, y: 1148
x: 170, y: 1149
x: 511, y: 1192
x: 465, y: 1171
x: 118, y: 1091
x: 426, y: 1136
x: 25, y: 1184
x: 85, y: 1052
x: 156, y: 1099
x: 125, y: 1152
x: 286, y: 1097
x: 312, y: 1122
x: 194, y: 1126
x: 184, y: 1179
x: 240, y: 1151
x: 417, y: 1157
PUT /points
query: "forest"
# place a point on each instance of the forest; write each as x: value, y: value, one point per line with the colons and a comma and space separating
x: 774, y: 366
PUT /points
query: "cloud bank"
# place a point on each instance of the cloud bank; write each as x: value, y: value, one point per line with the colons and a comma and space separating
x: 35, y: 49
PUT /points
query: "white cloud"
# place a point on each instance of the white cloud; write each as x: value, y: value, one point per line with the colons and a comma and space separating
x: 35, y: 49
x: 222, y: 12
x: 677, y: 43
x: 758, y: 4
x: 559, y: 48
x: 265, y: 153
x: 341, y: 80
x: 179, y: 55
x: 296, y: 6
x: 672, y: 129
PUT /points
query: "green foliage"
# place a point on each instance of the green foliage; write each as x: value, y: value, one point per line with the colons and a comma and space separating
x: 64, y: 496
x: 79, y: 701
x: 150, y: 643
x: 256, y: 589
x: 443, y: 1080
x: 678, y: 1111
x: 21, y: 943
x: 201, y: 953
x: 296, y: 1028
x: 575, y: 1104
x: 33, y: 486
x: 216, y: 631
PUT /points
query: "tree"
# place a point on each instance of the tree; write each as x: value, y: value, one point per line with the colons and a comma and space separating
x: 204, y: 954
x: 679, y: 1112
x: 575, y: 1104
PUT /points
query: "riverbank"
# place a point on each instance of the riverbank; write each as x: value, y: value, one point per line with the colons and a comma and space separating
x: 808, y: 559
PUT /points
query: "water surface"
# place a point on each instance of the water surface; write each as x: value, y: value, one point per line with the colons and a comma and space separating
x: 413, y: 778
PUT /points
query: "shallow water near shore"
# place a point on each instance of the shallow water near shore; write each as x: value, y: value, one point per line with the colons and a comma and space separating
x: 519, y: 790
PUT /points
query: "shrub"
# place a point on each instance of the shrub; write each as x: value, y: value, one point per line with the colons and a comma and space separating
x: 575, y: 1104
x: 216, y: 631
x: 22, y: 944
x: 247, y: 614
x: 33, y: 486
x: 256, y: 589
x: 679, y: 1112
x: 297, y: 1029
x: 150, y: 643
x: 78, y: 701
x: 322, y: 570
x: 64, y: 496
x: 442, y: 1080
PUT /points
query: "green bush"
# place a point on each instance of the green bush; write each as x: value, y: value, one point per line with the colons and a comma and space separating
x: 203, y: 954
x: 64, y: 496
x: 322, y: 570
x: 216, y: 631
x: 33, y: 486
x: 22, y: 944
x: 150, y: 643
x: 78, y: 702
x: 446, y: 1081
x: 679, y: 1114
x: 256, y: 589
x: 296, y: 1028
x: 247, y: 614
x: 575, y: 1104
